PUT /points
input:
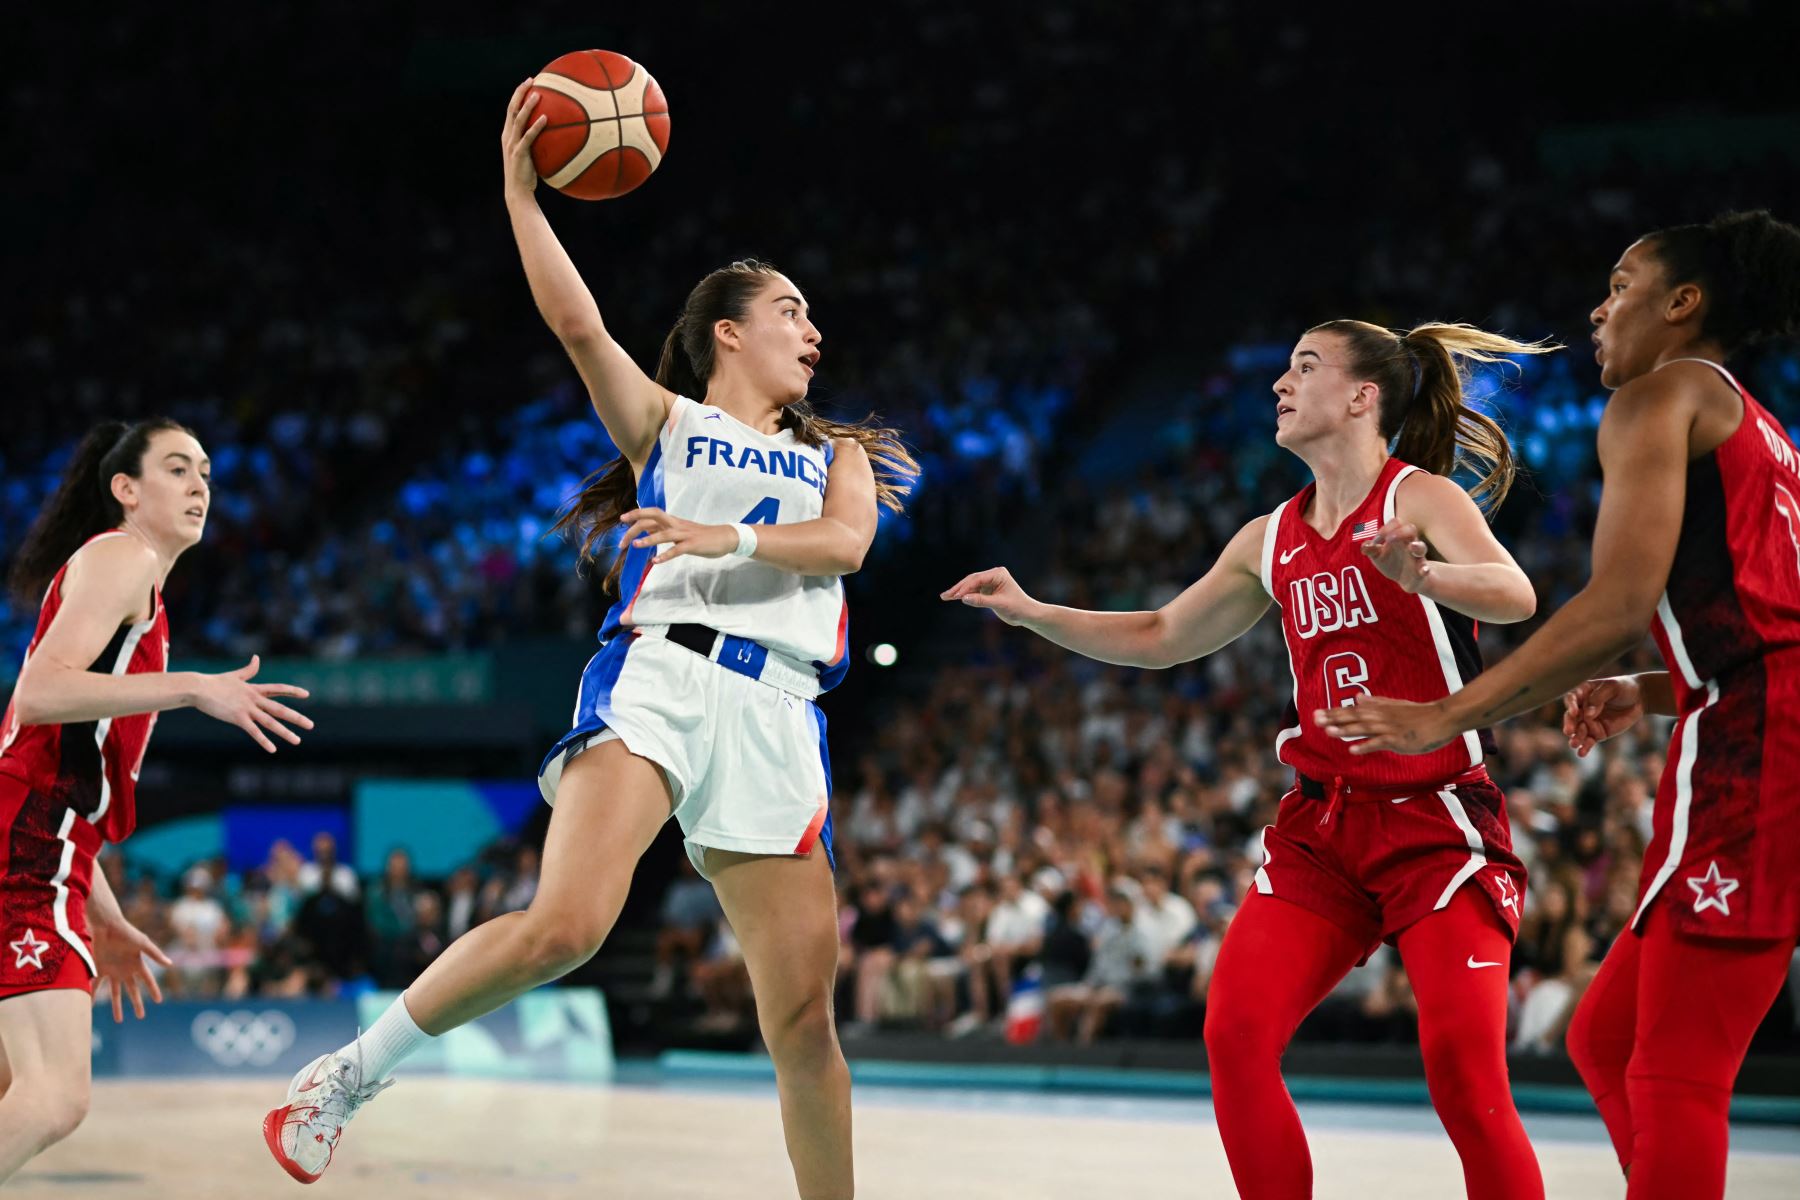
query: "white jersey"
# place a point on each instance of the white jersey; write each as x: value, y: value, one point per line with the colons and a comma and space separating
x: 707, y: 466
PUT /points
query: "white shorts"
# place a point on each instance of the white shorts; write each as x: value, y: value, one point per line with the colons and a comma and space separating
x: 746, y: 761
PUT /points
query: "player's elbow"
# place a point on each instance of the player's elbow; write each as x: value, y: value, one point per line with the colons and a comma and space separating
x: 580, y: 333
x: 1520, y: 603
x: 29, y: 703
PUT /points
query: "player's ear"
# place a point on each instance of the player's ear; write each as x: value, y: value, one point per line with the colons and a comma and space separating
x: 125, y: 490
x: 1367, y: 396
x: 1683, y: 302
x: 726, y: 332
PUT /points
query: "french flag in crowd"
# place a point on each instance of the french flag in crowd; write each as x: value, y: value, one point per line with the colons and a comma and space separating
x: 1025, y: 1008
x: 1365, y: 530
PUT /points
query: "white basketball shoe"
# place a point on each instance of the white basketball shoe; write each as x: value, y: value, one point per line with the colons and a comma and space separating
x: 303, y: 1133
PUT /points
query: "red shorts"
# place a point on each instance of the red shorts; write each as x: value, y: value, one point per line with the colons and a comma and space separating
x: 46, y: 870
x: 1374, y: 863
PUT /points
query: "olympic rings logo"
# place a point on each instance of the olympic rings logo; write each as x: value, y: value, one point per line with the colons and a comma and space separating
x: 242, y: 1038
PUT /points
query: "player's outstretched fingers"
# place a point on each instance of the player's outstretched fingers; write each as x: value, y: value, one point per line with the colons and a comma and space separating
x: 256, y: 735
x: 284, y: 713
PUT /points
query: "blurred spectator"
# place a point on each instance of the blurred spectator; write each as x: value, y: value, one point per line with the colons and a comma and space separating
x: 1122, y: 960
x: 690, y: 911
x: 326, y: 872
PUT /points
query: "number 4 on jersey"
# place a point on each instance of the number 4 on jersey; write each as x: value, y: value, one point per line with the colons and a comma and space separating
x: 766, y: 512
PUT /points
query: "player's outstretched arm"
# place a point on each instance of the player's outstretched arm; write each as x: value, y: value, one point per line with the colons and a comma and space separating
x: 1215, y: 611
x: 107, y: 586
x: 1439, y: 546
x: 628, y: 402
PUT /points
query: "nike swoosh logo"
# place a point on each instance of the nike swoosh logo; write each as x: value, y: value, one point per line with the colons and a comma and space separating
x: 312, y: 1082
x: 1473, y: 963
x: 710, y: 417
x: 1290, y: 554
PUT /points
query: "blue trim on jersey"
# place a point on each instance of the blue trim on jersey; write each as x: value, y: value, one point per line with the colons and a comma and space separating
x: 825, y: 761
x: 650, y: 494
x: 830, y: 452
x: 830, y: 675
x: 593, y: 699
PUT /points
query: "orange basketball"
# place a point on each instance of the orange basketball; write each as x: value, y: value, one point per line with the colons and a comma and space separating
x: 608, y: 124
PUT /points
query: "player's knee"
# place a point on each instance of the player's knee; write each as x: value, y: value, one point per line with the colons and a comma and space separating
x: 1234, y: 1036
x: 1467, y: 1077
x: 55, y: 1112
x: 553, y: 948
x: 801, y: 1033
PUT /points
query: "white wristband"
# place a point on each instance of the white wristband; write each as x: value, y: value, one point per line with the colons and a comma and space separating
x: 746, y: 541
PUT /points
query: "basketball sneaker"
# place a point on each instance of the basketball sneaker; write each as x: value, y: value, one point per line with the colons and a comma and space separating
x: 303, y: 1133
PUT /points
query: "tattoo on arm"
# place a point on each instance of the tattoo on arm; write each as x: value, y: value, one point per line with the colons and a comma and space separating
x: 1500, y: 709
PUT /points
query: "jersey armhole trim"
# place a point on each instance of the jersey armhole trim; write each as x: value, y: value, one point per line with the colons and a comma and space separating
x: 1392, y: 502
x: 1729, y: 377
x: 1270, y: 532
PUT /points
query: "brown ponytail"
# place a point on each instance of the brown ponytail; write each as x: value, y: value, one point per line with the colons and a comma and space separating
x: 1421, y: 373
x: 685, y: 366
x: 83, y: 503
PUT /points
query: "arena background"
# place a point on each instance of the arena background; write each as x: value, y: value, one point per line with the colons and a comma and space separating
x: 1065, y: 248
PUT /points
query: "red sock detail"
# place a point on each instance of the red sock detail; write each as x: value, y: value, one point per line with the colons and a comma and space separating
x: 1278, y: 961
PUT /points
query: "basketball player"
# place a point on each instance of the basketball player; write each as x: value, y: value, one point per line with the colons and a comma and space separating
x: 1698, y: 540
x: 742, y: 510
x: 95, y: 675
x: 1382, y: 566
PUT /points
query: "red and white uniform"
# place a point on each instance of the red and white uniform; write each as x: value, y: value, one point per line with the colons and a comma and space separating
x: 1725, y: 851
x: 1375, y: 842
x: 63, y: 790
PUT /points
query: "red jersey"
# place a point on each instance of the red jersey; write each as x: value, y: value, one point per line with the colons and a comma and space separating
x: 90, y: 767
x: 1726, y: 831
x: 1351, y: 632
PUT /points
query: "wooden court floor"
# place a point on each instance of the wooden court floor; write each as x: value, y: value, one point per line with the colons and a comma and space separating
x: 446, y: 1139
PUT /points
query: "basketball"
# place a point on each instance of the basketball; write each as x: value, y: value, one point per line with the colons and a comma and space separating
x: 608, y: 124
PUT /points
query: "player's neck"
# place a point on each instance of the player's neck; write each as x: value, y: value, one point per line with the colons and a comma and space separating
x: 165, y: 555
x: 746, y: 406
x: 1345, y: 474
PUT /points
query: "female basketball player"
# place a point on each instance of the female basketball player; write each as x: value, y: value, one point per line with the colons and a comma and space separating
x: 1698, y: 539
x: 742, y: 512
x: 1381, y: 569
x: 130, y: 501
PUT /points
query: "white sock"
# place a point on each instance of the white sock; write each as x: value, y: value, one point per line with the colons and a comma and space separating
x: 386, y: 1043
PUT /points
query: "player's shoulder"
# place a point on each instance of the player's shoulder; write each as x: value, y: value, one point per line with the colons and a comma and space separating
x: 113, y: 563
x: 1419, y: 487
x: 1677, y: 388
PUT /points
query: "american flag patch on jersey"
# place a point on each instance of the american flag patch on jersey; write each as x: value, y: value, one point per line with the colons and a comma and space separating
x: 1365, y: 530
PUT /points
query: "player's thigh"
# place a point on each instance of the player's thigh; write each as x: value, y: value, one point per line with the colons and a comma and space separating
x: 47, y: 1040
x: 784, y: 912
x: 609, y: 806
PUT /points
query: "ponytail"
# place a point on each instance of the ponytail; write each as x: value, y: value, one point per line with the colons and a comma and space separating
x: 1748, y: 267
x: 1421, y: 373
x: 83, y: 504
x: 685, y: 366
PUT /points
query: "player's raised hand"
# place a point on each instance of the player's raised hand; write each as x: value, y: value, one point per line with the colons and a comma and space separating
x: 516, y: 136
x: 252, y: 707
x: 1399, y: 553
x: 1600, y: 709
x: 996, y: 590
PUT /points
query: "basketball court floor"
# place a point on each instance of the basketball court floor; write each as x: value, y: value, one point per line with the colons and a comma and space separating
x: 650, y: 1139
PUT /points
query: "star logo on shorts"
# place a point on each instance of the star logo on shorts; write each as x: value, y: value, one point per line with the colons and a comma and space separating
x: 1509, y: 891
x: 1711, y: 889
x: 29, y: 951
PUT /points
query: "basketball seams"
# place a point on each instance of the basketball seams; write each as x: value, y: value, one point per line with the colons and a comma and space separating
x: 639, y: 135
